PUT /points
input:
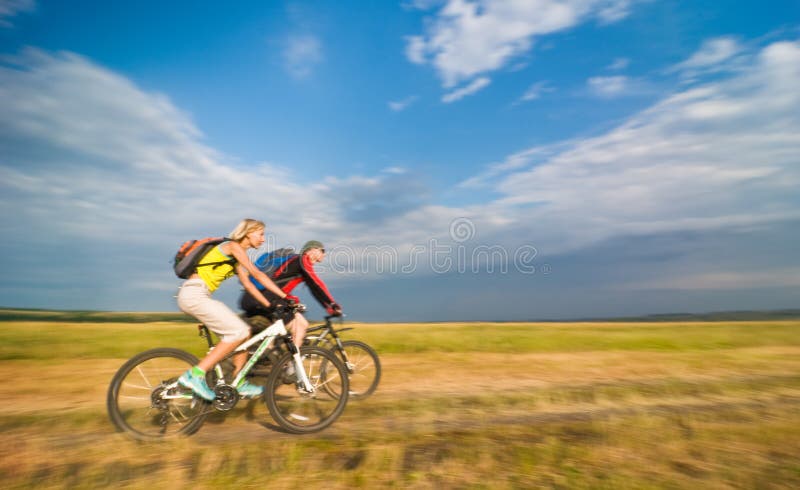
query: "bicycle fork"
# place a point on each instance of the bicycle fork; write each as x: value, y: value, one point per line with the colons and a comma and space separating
x: 347, y: 364
x: 299, y: 369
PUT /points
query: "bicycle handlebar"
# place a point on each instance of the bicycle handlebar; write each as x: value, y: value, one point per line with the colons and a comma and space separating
x: 295, y: 307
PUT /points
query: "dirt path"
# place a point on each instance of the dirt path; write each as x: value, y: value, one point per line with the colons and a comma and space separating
x: 444, y: 414
x: 82, y: 384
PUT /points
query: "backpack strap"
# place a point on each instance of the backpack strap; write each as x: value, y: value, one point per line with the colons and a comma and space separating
x: 217, y: 264
x: 231, y: 261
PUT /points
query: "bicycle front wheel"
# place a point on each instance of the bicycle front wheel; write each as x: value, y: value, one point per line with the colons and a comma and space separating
x: 145, y: 400
x: 363, y: 367
x: 296, y: 410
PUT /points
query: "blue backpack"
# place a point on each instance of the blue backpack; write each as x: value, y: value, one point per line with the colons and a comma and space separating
x: 270, y: 262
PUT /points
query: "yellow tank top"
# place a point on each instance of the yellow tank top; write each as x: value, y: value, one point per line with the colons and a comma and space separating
x: 213, y: 275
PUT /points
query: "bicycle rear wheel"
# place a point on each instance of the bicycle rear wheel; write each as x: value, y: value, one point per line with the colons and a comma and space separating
x: 298, y: 411
x: 145, y: 401
x: 363, y: 367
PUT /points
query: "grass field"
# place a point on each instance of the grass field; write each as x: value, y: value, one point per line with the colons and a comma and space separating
x: 552, y: 405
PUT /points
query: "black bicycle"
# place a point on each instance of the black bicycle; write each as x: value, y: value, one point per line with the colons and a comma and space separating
x: 302, y: 391
x: 361, y: 361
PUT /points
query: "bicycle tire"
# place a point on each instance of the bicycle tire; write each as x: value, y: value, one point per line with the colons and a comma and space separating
x: 132, y: 403
x: 299, y: 412
x: 364, y: 368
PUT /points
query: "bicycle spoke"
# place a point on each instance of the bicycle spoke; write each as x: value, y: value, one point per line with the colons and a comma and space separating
x: 129, y: 397
x: 326, y: 382
x: 147, y: 381
x: 360, y: 364
x: 146, y: 388
x: 180, y: 412
x: 363, y: 367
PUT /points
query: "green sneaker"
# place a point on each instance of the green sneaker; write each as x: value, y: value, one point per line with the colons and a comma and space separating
x: 197, y: 384
x: 249, y: 390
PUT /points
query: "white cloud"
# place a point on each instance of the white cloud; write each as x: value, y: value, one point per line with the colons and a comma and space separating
x: 716, y: 156
x: 712, y: 56
x: 89, y: 158
x: 11, y: 8
x: 415, y: 49
x: 421, y: 4
x: 303, y: 52
x: 466, y: 39
x: 515, y: 162
x: 93, y: 156
x: 401, y: 105
x: 535, y: 91
x: 608, y: 86
x: 475, y: 86
x: 619, y: 64
x: 614, y: 11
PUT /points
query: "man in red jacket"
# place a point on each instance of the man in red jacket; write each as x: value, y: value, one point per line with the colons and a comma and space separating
x: 288, y: 270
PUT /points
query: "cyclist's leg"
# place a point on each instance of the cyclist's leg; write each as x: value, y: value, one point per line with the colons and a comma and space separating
x: 219, y: 352
x: 298, y: 326
x: 230, y: 328
x: 195, y: 299
x: 225, y: 347
x: 253, y: 308
x: 239, y: 359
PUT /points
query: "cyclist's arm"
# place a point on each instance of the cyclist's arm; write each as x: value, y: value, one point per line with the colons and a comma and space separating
x: 245, y: 268
x: 251, y: 288
x: 318, y: 288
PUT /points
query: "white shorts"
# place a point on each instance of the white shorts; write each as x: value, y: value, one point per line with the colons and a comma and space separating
x: 195, y: 299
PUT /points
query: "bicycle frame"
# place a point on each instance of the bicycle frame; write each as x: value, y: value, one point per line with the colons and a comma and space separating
x: 266, y: 338
x: 327, y: 329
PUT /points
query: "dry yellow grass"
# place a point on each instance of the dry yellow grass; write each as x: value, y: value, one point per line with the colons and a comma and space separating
x: 614, y: 417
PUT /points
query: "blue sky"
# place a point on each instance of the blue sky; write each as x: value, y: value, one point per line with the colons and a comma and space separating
x: 488, y: 160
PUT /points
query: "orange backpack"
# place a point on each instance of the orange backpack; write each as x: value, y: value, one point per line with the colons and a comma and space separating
x: 190, y: 253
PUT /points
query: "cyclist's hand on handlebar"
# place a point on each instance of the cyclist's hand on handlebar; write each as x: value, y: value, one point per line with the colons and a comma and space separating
x: 279, y: 304
x: 334, y: 310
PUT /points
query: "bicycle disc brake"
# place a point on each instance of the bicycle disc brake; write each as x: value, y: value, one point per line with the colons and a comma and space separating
x: 157, y: 400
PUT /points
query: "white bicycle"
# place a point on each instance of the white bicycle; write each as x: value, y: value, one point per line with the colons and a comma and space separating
x: 145, y: 400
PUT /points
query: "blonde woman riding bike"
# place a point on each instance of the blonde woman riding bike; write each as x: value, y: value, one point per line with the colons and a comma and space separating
x: 194, y: 298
